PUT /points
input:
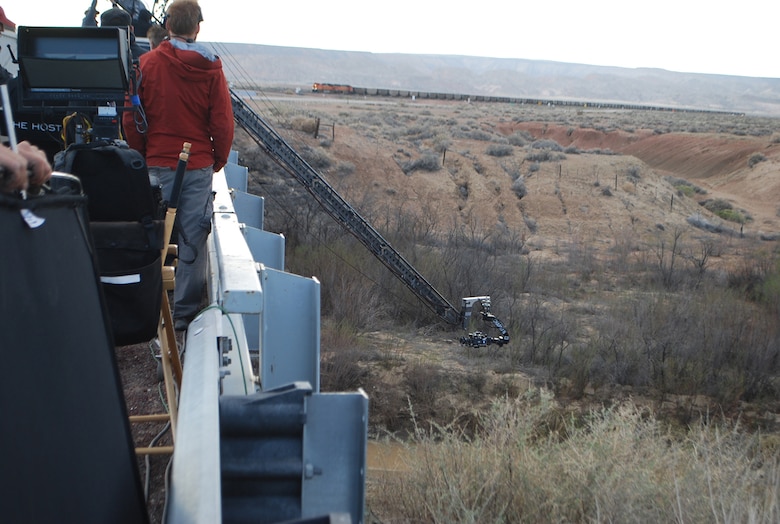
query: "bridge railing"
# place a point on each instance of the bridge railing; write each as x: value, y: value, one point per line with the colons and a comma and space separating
x: 251, y: 383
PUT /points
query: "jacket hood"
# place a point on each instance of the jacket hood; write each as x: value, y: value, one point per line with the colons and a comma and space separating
x: 190, y: 59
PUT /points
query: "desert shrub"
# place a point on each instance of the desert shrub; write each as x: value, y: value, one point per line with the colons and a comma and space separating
x: 546, y: 144
x: 599, y: 151
x: 340, y: 370
x: 518, y: 186
x: 388, y: 408
x: 317, y: 158
x: 725, y: 210
x: 634, y: 172
x: 336, y: 335
x: 706, y: 344
x: 750, y: 276
x: 530, y: 223
x: 685, y: 190
x: 519, y: 138
x: 513, y: 171
x: 463, y: 189
x: 441, y: 143
x: 420, y: 132
x: 732, y: 215
x: 423, y: 384
x: 682, y: 185
x: 700, y: 222
x: 476, y: 380
x: 392, y: 134
x: 769, y: 290
x: 480, y: 135
x: 716, y: 205
x: 305, y: 125
x: 427, y: 162
x: 545, y: 156
x: 755, y: 158
x: 499, y: 150
x: 345, y: 168
x: 543, y: 335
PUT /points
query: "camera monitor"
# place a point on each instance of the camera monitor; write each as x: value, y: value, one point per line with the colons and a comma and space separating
x: 63, y: 65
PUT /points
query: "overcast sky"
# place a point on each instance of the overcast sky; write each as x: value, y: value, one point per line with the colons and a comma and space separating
x: 731, y: 38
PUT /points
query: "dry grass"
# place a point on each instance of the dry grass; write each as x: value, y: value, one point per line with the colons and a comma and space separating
x: 532, y: 464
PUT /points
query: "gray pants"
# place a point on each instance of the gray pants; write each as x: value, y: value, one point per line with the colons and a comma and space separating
x: 193, y: 222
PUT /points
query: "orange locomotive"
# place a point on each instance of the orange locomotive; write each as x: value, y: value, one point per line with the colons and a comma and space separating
x: 332, y: 88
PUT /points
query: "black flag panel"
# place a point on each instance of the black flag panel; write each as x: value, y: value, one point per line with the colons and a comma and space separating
x: 67, y: 447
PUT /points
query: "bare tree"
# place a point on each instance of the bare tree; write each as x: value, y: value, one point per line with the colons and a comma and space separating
x: 667, y: 257
x: 700, y: 258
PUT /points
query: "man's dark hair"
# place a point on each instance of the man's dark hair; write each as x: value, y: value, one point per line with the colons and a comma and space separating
x: 183, y: 17
x: 156, y: 34
x: 115, y: 17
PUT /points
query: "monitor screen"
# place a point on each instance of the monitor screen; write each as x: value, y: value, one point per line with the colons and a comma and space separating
x: 74, y: 63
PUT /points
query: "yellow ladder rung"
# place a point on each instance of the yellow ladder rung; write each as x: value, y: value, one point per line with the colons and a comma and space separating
x: 157, y: 417
x: 160, y: 450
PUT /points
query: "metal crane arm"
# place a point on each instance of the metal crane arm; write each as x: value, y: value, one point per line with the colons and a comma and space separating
x: 341, y: 211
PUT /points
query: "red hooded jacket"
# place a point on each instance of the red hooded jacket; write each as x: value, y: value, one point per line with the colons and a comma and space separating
x: 185, y: 97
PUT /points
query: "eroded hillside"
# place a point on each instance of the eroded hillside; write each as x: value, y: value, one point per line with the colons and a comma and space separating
x: 718, y: 162
x: 588, y: 229
x: 588, y: 175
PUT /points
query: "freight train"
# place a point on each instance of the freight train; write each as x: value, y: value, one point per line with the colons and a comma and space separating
x: 549, y: 102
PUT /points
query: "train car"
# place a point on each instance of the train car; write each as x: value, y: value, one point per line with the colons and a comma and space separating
x: 318, y: 87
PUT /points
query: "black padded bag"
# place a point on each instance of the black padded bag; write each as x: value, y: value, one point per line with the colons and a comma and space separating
x: 128, y: 255
x: 125, y: 214
x: 114, y: 177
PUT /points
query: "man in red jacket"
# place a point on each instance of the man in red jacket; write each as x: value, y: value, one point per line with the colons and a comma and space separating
x: 185, y: 98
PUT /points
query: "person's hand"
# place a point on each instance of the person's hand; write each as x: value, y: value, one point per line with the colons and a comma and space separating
x: 15, y: 167
x: 13, y: 171
x: 37, y: 164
